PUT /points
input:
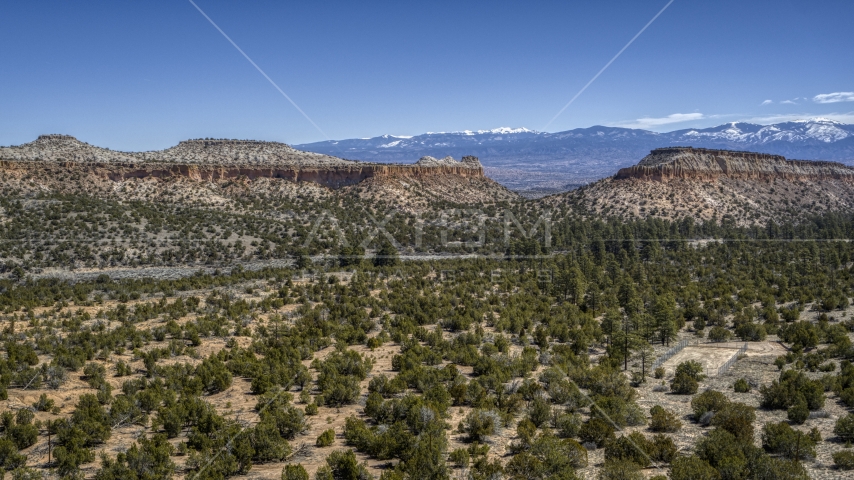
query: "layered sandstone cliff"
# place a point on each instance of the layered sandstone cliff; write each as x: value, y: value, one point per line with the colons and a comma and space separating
x: 210, y: 159
x: 664, y: 164
x: 741, y: 187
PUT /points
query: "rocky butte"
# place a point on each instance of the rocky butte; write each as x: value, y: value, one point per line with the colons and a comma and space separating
x: 219, y: 159
x: 742, y: 187
x: 664, y: 164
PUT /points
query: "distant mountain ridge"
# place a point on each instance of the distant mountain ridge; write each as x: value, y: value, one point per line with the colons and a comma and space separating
x: 526, y: 159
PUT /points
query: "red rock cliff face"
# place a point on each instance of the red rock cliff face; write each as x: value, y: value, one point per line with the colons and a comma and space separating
x: 332, y: 177
x: 328, y: 176
x: 702, y: 164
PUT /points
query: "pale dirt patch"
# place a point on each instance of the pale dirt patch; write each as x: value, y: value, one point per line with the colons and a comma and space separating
x: 713, y: 355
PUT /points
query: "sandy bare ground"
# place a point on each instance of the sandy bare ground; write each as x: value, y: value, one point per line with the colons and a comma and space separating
x: 714, y: 355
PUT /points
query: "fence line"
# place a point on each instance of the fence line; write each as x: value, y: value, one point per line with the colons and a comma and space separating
x: 670, y: 353
x: 725, y: 367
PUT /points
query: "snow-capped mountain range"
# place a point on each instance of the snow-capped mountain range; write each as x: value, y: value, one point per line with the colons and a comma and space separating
x: 522, y: 158
x: 816, y: 129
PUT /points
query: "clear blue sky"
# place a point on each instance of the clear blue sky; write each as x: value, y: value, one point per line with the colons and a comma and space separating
x: 144, y: 75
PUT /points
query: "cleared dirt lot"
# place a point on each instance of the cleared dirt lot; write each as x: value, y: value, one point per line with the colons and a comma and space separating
x: 713, y: 355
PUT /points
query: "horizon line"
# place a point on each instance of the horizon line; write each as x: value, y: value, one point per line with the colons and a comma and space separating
x: 460, y: 132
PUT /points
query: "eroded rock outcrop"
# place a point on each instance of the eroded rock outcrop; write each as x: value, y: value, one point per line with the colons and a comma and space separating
x: 210, y: 159
x: 664, y: 164
x: 743, y: 188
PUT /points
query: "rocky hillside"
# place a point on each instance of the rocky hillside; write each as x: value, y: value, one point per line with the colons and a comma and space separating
x: 703, y: 164
x: 745, y: 187
x: 65, y: 148
x: 51, y: 159
x: 211, y: 202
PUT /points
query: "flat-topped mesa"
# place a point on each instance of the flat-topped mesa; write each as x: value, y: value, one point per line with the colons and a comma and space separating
x: 55, y: 137
x: 207, y: 142
x: 690, y: 163
x: 466, y: 162
x: 429, y: 161
x: 218, y: 159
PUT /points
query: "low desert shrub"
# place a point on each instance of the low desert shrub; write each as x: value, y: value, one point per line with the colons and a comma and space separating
x: 844, y: 460
x: 692, y: 468
x: 326, y: 438
x: 719, y: 334
x: 737, y: 419
x: 688, y: 376
x: 620, y: 470
x: 596, y: 431
x: 567, y: 425
x: 782, y: 439
x: 798, y: 413
x: 741, y: 386
x: 663, y: 448
x: 684, y: 385
x: 663, y: 420
x: 480, y: 424
x: 708, y: 401
x: 844, y: 427
x: 792, y: 387
x: 294, y: 472
x: 633, y: 448
x: 460, y: 457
